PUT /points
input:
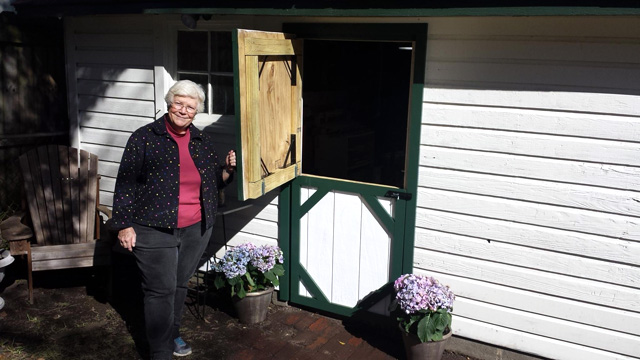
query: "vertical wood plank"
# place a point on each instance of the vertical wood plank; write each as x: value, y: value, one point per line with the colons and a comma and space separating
x: 375, y: 255
x: 63, y: 155
x: 320, y: 243
x: 43, y: 193
x: 275, y: 109
x: 305, y: 193
x: 241, y: 104
x: 252, y: 125
x: 346, y: 249
x: 56, y: 204
x: 92, y: 187
x: 83, y: 188
x: 75, y: 194
x: 30, y: 189
x: 296, y: 100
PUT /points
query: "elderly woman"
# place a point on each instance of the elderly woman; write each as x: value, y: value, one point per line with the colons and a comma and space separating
x: 164, y: 209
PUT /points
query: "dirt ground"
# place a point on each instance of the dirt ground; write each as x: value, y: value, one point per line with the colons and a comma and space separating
x: 73, y: 318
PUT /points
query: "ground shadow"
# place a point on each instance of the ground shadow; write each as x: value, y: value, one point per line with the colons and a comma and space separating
x: 378, y: 329
x: 127, y: 298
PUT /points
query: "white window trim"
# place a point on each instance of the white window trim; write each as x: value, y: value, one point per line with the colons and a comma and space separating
x: 171, y: 28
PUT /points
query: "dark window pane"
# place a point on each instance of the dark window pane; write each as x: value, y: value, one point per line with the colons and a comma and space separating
x: 192, y: 51
x: 222, y: 95
x: 198, y: 79
x: 221, y: 54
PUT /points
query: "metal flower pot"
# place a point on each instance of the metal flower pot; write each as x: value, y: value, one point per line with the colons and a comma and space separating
x: 430, y: 350
x: 253, y: 308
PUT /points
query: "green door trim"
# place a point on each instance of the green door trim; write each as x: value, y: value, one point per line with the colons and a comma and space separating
x: 373, y: 9
x: 368, y: 194
x: 402, y: 252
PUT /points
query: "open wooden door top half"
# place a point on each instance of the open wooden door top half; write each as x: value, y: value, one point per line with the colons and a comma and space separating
x: 268, y: 110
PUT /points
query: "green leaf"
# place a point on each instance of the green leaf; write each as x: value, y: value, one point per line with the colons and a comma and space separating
x: 250, y: 280
x: 270, y: 276
x: 278, y: 269
x: 241, y: 293
x: 219, y: 282
x: 425, y: 329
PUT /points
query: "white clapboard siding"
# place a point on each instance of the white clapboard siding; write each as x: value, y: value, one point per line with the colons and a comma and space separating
x: 544, y: 260
x: 590, y: 336
x: 529, y: 181
x: 538, y: 145
x: 123, y: 57
x: 529, y: 342
x: 543, y: 304
x: 104, y: 136
x: 262, y: 213
x: 579, y: 102
x: 592, y: 222
x: 532, y: 236
x: 589, y: 291
x: 115, y: 40
x: 113, y: 73
x: 116, y: 106
x: 607, y: 52
x: 107, y: 183
x: 105, y: 153
x: 140, y: 91
x: 546, y: 192
x: 108, y: 168
x: 595, y: 126
x: 534, y: 75
x: 112, y: 122
x: 565, y: 171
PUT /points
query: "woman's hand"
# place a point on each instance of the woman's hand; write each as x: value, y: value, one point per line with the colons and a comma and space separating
x: 230, y: 161
x: 127, y: 238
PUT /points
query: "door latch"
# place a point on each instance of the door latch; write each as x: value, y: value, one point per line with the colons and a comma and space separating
x: 398, y: 195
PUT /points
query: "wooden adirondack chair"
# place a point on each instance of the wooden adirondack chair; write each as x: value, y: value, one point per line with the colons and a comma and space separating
x: 62, y: 190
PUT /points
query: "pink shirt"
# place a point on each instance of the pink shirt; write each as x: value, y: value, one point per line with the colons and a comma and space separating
x: 189, y: 211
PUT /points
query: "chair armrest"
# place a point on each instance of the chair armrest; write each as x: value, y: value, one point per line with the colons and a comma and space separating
x: 13, y: 228
x: 105, y: 210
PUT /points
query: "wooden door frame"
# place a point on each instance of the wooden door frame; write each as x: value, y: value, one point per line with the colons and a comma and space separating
x: 416, y: 33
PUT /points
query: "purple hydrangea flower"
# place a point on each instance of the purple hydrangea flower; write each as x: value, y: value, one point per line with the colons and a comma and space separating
x: 235, y: 260
x: 265, y: 257
x: 418, y: 292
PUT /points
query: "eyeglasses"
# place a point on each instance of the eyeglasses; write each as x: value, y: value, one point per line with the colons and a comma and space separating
x: 179, y: 106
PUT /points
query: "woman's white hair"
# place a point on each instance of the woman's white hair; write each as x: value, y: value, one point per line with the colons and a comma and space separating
x: 186, y: 88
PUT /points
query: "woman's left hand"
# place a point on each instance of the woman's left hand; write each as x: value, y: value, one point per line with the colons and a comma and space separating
x: 230, y: 161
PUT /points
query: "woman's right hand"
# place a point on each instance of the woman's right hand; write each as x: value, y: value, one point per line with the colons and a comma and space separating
x: 127, y: 238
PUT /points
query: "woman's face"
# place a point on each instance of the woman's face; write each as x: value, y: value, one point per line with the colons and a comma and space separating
x: 181, y: 113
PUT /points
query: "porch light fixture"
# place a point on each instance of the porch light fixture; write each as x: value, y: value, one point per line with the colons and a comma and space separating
x: 190, y: 21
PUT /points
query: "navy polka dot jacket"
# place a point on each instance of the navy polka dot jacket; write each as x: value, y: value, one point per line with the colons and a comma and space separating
x: 147, y: 186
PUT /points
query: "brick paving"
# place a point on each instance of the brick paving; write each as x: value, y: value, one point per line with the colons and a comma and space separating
x: 289, y: 332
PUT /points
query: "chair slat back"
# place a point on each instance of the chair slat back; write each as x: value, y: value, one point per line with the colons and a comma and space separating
x: 61, y: 186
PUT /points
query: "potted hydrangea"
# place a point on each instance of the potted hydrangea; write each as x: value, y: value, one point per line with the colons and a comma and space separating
x: 423, y: 307
x: 251, y: 272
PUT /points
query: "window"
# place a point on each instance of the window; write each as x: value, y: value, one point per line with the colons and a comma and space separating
x: 206, y: 58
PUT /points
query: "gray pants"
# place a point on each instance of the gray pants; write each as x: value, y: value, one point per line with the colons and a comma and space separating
x: 166, y: 258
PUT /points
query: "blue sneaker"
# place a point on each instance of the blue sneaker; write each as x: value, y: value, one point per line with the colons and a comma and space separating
x: 181, y: 348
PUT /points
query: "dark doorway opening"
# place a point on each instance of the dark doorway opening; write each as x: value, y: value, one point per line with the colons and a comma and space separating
x: 355, y: 112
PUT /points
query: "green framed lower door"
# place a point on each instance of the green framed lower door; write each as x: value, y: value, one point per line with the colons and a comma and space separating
x: 346, y: 244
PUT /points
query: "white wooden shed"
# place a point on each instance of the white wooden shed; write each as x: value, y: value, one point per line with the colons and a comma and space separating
x: 494, y: 147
